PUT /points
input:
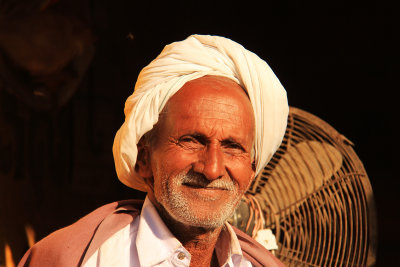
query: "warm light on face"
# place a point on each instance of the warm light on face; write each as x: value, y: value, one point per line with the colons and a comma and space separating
x: 201, y: 159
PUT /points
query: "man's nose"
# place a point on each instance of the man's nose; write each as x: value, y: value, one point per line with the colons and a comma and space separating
x: 211, y: 163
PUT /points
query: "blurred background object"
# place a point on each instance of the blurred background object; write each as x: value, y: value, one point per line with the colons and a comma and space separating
x: 44, y: 56
x: 314, y: 197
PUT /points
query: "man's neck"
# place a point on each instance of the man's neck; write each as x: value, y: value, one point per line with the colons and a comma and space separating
x: 198, y: 241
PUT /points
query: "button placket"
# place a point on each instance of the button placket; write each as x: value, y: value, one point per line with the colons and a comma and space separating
x: 181, y: 258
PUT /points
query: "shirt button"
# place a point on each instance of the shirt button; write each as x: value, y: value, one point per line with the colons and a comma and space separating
x: 181, y: 255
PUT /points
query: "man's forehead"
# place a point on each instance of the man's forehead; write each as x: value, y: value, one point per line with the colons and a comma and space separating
x: 213, y: 102
x: 214, y: 82
x: 211, y: 91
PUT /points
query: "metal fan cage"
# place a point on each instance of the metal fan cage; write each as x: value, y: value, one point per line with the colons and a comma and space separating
x: 334, y: 223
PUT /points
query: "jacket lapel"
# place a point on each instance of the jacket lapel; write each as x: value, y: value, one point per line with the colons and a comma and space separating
x: 125, y: 213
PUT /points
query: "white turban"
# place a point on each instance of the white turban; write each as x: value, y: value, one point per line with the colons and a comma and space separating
x: 192, y: 58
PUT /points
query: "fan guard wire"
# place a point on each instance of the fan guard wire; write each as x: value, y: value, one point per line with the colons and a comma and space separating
x: 316, y: 197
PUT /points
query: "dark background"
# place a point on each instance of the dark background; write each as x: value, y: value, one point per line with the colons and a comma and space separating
x: 336, y: 60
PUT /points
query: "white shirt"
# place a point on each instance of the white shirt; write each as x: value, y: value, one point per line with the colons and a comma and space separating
x: 148, y: 242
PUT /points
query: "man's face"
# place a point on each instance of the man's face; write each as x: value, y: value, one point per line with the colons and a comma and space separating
x: 201, y: 156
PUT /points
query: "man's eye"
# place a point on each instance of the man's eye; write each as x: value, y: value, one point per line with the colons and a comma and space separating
x: 186, y: 139
x: 194, y: 139
x: 234, y: 146
x: 189, y: 142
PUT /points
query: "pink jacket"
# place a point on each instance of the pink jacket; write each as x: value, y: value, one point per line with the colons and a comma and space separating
x: 74, y: 244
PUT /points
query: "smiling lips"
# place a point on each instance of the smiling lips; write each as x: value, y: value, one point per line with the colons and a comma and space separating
x: 207, y: 187
x: 198, y: 181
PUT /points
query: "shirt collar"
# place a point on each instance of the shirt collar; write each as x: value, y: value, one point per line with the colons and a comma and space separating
x: 228, y: 247
x: 154, y: 236
x: 154, y: 242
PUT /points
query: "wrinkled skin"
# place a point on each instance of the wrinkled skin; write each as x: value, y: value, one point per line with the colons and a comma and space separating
x: 199, y: 161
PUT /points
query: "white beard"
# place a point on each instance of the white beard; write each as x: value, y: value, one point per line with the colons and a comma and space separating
x: 178, y: 207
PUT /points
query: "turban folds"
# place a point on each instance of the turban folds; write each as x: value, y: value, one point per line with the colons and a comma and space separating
x: 192, y: 58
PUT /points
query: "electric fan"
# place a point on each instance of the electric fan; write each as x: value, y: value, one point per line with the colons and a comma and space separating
x: 315, y: 199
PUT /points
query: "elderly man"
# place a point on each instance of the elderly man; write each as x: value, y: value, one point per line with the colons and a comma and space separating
x: 205, y: 117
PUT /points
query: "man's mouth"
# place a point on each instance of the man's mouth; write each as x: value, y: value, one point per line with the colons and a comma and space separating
x: 211, y: 187
x: 199, y: 181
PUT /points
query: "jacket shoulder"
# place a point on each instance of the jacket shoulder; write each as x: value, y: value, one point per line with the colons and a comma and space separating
x: 66, y: 246
x: 253, y: 251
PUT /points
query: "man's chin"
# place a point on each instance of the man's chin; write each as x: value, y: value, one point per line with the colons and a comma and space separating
x: 198, y: 207
x: 205, y: 222
x: 202, y: 214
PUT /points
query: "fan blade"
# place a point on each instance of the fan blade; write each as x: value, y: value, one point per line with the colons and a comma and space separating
x: 302, y: 170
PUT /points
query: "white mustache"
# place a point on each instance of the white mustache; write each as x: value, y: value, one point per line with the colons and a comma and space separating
x: 198, y: 180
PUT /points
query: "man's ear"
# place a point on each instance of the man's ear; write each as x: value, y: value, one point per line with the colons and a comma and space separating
x: 143, y: 164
